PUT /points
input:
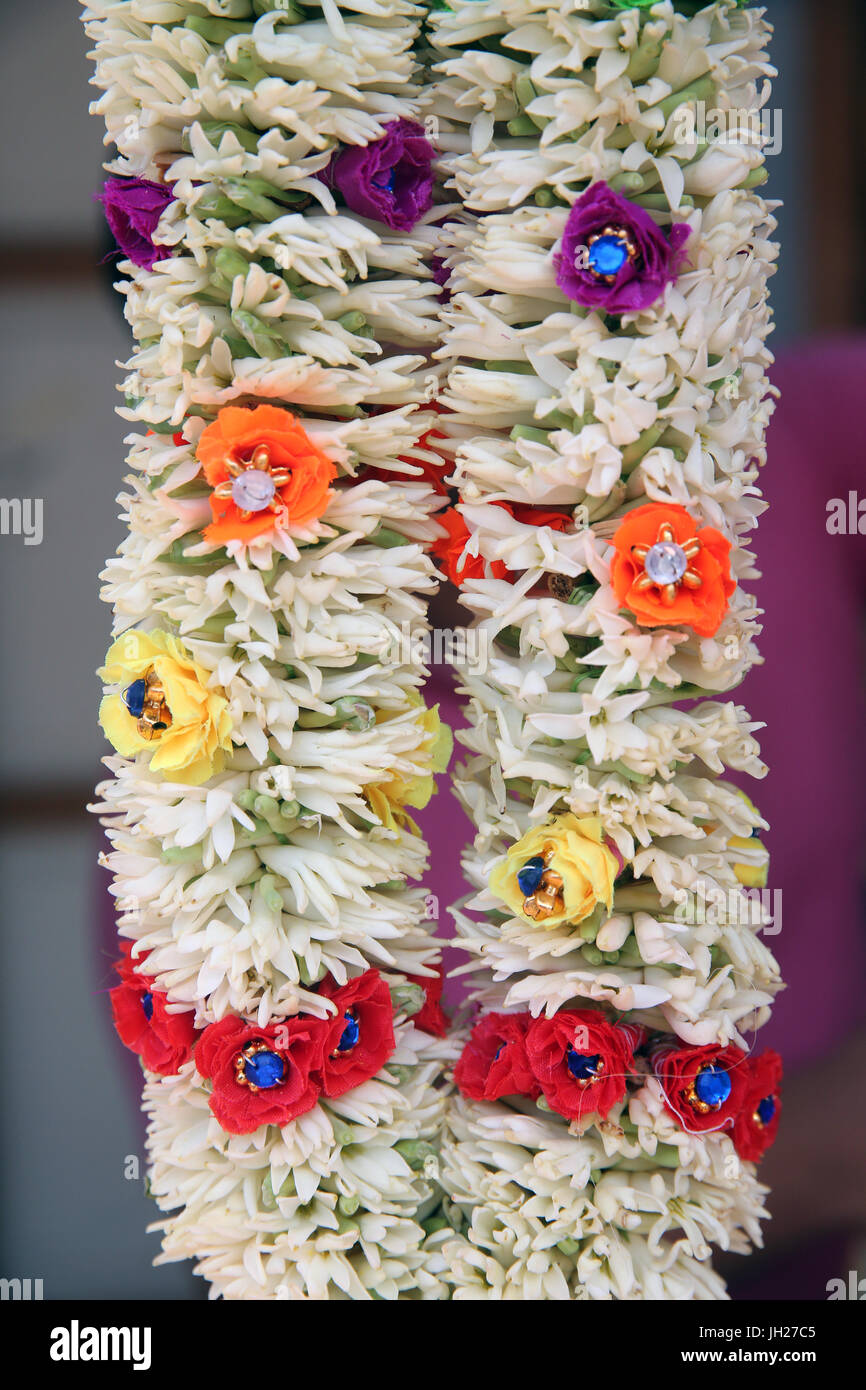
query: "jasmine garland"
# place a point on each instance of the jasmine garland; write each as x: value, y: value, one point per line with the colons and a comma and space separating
x: 271, y: 741
x: 604, y: 334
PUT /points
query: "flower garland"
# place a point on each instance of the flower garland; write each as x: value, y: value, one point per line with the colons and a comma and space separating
x: 272, y: 199
x: 607, y: 401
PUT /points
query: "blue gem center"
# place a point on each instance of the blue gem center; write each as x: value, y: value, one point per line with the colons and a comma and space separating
x: 583, y: 1066
x: 766, y: 1109
x: 147, y: 1005
x: 350, y: 1035
x: 133, y: 698
x: 530, y: 876
x: 712, y: 1086
x: 384, y: 180
x: 607, y: 255
x: 264, y: 1069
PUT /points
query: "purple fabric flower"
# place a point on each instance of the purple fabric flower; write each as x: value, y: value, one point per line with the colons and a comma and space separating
x: 389, y: 180
x: 441, y: 276
x: 623, y: 271
x: 133, y: 208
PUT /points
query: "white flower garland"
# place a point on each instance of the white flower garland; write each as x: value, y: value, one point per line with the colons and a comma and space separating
x: 575, y: 711
x: 245, y: 890
x: 242, y: 891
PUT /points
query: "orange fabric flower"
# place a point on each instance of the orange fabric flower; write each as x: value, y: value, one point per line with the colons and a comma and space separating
x: 449, y: 549
x: 300, y: 472
x: 699, y: 597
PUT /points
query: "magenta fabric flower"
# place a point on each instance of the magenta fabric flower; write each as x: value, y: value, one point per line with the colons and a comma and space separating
x: 614, y: 257
x: 389, y: 180
x: 132, y: 209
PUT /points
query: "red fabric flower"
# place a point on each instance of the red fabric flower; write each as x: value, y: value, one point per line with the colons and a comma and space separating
x: 449, y: 549
x: 494, y: 1062
x: 756, y: 1125
x: 359, y: 1039
x: 685, y: 1072
x: 538, y: 516
x: 432, y: 1018
x: 163, y: 1040
x: 297, y: 1044
x: 433, y: 472
x: 178, y: 438
x: 580, y: 1061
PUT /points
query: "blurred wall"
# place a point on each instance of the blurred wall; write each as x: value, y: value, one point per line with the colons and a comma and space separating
x: 70, y: 1110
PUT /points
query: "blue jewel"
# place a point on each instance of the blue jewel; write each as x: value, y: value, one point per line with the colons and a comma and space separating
x: 133, y: 698
x: 147, y: 1005
x: 712, y: 1086
x: 499, y: 1051
x: 530, y: 876
x: 264, y: 1069
x: 385, y: 181
x: 766, y: 1109
x: 350, y: 1035
x: 607, y: 255
x: 582, y: 1066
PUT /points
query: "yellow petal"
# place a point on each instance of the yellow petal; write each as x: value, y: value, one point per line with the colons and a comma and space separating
x: 587, y: 866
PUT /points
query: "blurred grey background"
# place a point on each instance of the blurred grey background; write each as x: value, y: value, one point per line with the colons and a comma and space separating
x: 69, y: 1092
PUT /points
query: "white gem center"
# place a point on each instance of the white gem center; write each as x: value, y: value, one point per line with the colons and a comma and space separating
x: 666, y: 563
x: 253, y: 489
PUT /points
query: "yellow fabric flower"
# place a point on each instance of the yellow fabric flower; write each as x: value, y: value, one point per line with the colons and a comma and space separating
x: 191, y: 749
x: 388, y: 800
x: 753, y: 875
x: 578, y: 854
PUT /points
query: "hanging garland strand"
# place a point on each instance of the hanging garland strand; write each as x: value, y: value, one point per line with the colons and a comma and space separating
x: 605, y: 340
x: 272, y: 199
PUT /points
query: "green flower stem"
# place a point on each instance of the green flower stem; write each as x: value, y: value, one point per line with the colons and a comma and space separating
x: 702, y: 89
x: 309, y: 977
x: 387, y: 538
x: 215, y: 130
x: 416, y: 1152
x: 658, y: 202
x: 755, y: 178
x: 216, y: 31
x: 530, y: 432
x: 603, y: 507
x: 270, y: 893
x: 637, y: 897
x: 645, y: 58
x: 181, y: 854
x: 633, y: 453
x: 628, y: 182
x: 407, y: 999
